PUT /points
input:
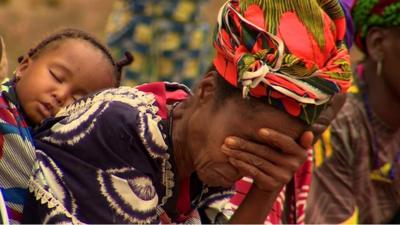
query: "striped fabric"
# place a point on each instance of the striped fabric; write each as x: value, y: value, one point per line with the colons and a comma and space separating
x: 16, y: 156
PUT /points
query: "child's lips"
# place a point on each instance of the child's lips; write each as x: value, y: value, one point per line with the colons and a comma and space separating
x: 46, y: 109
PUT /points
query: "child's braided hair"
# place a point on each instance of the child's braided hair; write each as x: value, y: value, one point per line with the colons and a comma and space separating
x: 79, y: 34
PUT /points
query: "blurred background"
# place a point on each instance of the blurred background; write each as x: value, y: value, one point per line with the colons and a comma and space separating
x: 23, y: 23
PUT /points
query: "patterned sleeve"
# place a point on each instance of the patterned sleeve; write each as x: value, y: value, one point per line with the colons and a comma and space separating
x: 16, y: 158
x: 216, y: 207
x: 93, y: 167
x: 332, y: 194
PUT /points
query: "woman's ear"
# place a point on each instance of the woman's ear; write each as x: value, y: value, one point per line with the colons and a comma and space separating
x: 375, y: 42
x: 207, y: 87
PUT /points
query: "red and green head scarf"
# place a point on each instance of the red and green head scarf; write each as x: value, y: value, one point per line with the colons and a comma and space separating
x: 374, y: 13
x: 290, y: 52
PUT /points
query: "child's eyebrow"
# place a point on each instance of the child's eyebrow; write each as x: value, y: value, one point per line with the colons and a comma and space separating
x: 63, y: 67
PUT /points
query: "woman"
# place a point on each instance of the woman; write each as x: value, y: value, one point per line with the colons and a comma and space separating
x: 159, y: 154
x: 359, y: 181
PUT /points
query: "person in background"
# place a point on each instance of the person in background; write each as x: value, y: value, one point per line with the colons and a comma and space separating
x: 63, y: 67
x: 167, y: 39
x: 3, y: 61
x: 158, y: 153
x: 357, y: 177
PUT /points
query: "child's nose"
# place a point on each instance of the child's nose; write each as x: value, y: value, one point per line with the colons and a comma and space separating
x: 63, y: 97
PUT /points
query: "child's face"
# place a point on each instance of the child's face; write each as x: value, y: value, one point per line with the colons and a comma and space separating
x: 60, y: 75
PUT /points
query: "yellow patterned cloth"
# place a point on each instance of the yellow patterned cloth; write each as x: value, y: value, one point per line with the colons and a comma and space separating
x: 166, y: 38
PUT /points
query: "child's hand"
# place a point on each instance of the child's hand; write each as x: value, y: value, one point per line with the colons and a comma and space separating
x: 271, y: 164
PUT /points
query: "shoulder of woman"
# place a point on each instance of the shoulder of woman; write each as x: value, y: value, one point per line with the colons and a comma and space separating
x: 347, y: 136
x: 120, y: 121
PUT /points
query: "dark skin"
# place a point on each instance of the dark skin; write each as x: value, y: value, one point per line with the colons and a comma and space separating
x: 327, y: 116
x: 62, y: 73
x: 276, y: 142
x: 224, y: 144
x: 383, y: 44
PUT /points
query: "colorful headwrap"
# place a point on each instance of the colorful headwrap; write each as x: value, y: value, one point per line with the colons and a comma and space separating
x: 371, y: 13
x: 291, y: 52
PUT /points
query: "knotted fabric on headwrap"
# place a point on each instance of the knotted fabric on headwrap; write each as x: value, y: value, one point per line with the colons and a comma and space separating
x: 371, y: 13
x: 291, y: 52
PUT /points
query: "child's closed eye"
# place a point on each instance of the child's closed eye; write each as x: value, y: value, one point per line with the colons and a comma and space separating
x: 55, y: 76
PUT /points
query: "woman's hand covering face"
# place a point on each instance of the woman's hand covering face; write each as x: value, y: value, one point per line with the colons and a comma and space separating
x: 271, y: 161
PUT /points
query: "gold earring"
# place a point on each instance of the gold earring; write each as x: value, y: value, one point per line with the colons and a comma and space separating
x: 17, y: 76
x: 379, y: 68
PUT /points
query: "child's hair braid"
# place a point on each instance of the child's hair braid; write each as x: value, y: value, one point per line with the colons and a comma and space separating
x: 79, y: 34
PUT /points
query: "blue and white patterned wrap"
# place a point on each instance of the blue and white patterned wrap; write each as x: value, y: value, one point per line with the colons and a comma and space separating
x: 106, y: 159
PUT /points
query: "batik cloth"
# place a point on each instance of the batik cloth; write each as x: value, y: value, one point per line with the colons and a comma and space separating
x: 16, y: 153
x: 291, y: 53
x: 108, y: 159
x: 357, y: 176
x: 374, y: 13
x: 167, y: 39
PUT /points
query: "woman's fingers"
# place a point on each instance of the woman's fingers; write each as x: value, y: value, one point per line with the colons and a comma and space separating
x: 262, y: 180
x: 281, y: 174
x: 306, y: 140
x: 265, y: 152
x: 271, y: 160
x: 275, y: 140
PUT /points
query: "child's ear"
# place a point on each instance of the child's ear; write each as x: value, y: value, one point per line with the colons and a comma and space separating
x: 23, y: 66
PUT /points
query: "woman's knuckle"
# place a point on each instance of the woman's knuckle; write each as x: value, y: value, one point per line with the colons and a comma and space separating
x: 257, y: 161
x: 293, y: 165
x: 275, y: 142
x: 253, y: 172
x: 286, y: 178
x: 244, y: 156
x: 266, y: 153
x: 303, y: 156
x: 242, y: 144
